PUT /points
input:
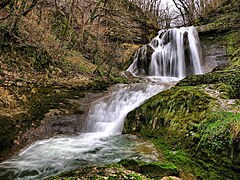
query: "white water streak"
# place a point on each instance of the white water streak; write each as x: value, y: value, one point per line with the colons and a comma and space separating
x: 176, y: 54
x: 108, y: 113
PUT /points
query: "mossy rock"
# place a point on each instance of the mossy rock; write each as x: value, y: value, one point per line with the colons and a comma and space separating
x: 131, y: 164
x: 110, y: 171
x: 153, y: 170
x: 173, y: 110
x: 158, y: 170
x: 184, y: 115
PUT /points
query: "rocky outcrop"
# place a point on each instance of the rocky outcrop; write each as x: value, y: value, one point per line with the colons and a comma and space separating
x: 142, y: 60
x: 125, y: 169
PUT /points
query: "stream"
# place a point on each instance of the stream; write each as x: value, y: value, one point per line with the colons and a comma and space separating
x: 175, y: 55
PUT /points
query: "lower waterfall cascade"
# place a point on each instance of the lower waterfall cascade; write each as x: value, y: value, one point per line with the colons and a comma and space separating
x: 172, y: 55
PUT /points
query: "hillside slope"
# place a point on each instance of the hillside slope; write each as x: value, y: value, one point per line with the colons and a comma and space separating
x: 51, y: 52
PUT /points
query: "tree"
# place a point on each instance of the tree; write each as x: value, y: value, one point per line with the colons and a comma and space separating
x: 189, y: 10
x: 153, y: 9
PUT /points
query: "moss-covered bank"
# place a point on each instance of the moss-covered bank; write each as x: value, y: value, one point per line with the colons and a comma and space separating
x: 197, y: 122
x: 188, y: 118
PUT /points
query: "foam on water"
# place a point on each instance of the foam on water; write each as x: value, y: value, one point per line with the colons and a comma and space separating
x: 50, y: 157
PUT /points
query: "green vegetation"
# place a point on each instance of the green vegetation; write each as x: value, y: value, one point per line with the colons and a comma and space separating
x: 176, y: 108
x: 125, y: 169
x: 196, y: 124
x: 206, y: 136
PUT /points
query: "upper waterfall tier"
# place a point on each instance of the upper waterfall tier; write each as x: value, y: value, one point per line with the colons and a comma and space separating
x: 173, y: 53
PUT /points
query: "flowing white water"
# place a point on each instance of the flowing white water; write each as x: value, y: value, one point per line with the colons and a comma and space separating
x: 100, y: 144
x: 52, y: 156
x: 174, y: 56
x: 176, y: 53
x: 108, y: 113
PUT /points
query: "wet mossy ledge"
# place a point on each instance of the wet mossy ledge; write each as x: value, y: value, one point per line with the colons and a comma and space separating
x: 125, y: 169
x: 187, y: 119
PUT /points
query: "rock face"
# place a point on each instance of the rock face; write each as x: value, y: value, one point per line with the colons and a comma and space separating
x: 214, y: 52
x: 143, y: 59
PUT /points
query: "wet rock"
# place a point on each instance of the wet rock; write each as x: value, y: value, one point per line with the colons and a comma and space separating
x: 214, y: 53
x: 130, y: 164
x: 154, y: 43
x: 188, y: 62
x: 166, y: 38
x: 159, y: 170
x: 171, y: 178
x: 151, y: 170
x: 144, y: 59
x: 65, y: 125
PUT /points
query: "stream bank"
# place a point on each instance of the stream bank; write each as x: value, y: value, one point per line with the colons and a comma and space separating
x: 196, y: 125
x: 50, y: 59
x: 46, y: 111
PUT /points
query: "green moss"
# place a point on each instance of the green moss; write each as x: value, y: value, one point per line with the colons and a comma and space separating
x: 159, y: 169
x: 130, y: 164
x: 152, y: 169
x: 176, y: 109
x: 180, y: 158
x: 216, y: 137
x: 229, y: 81
x: 184, y: 116
x: 232, y: 42
x: 187, y: 163
x: 110, y: 171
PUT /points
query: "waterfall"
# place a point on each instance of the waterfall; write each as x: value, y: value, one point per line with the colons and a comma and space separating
x: 170, y: 56
x: 108, y: 113
x: 172, y: 53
